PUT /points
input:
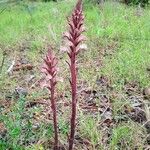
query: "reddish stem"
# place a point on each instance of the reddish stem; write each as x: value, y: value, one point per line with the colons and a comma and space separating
x: 53, y: 106
x: 50, y: 69
x: 74, y: 99
x: 75, y: 38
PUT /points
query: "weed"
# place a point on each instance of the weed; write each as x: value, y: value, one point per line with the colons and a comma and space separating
x: 50, y: 69
x: 75, y: 38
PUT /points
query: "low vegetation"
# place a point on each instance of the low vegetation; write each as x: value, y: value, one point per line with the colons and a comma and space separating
x: 113, y: 77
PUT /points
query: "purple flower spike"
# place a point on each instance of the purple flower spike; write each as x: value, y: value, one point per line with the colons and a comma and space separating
x: 74, y: 39
x: 50, y: 69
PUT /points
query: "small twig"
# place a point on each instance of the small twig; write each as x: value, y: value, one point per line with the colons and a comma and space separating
x: 2, y: 64
x: 33, y: 103
x: 10, y: 69
x: 105, y: 110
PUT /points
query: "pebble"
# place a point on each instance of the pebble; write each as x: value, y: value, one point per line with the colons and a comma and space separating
x: 146, y: 92
x: 21, y: 91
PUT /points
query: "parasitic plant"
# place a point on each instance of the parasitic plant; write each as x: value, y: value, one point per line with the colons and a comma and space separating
x: 50, y: 69
x: 74, y: 39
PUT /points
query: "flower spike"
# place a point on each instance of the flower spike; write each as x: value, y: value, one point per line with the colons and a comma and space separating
x: 50, y: 69
x: 75, y: 38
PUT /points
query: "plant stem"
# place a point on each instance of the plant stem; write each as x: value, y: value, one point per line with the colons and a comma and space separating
x: 53, y: 106
x: 74, y: 99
